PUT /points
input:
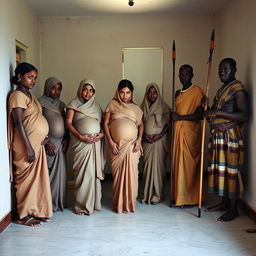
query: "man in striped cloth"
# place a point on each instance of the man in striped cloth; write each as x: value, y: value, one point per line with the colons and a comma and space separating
x: 226, y: 152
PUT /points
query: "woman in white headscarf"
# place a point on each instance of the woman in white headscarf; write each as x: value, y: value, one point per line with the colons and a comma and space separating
x: 83, y: 120
x: 54, y: 112
x: 156, y: 116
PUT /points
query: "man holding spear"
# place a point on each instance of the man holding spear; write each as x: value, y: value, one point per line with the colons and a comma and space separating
x: 187, y: 136
x: 226, y: 116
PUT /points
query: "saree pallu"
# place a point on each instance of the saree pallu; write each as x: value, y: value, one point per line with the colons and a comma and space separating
x: 56, y: 163
x: 32, y: 180
x: 88, y: 165
x: 155, y: 156
x: 124, y: 132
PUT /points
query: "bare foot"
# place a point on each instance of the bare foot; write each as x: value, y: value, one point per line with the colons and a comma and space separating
x: 28, y: 221
x: 228, y: 215
x: 80, y: 213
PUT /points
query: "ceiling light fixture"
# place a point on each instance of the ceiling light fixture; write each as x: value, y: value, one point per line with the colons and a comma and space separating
x: 131, y: 3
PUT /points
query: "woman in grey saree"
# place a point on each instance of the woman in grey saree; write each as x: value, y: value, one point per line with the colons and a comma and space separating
x: 54, y: 112
x: 83, y: 121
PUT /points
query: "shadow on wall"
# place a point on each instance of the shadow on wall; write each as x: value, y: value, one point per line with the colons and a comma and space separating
x: 12, y: 88
x: 246, y: 129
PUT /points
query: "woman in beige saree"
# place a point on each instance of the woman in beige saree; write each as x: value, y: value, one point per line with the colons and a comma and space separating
x: 124, y: 128
x: 54, y: 112
x: 156, y: 116
x: 27, y: 131
x: 83, y: 120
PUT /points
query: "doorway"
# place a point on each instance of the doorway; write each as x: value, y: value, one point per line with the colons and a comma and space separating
x: 142, y: 66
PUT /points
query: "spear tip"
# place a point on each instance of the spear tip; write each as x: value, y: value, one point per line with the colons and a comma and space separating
x: 173, y: 50
x: 173, y: 46
x: 213, y: 35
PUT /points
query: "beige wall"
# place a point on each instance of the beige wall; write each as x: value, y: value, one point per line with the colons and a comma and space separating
x: 90, y: 47
x: 236, y: 25
x: 74, y: 48
x: 17, y: 21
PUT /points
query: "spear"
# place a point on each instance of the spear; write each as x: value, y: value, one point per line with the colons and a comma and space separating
x: 204, y: 123
x: 172, y: 123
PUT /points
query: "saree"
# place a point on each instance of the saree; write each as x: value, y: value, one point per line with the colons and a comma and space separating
x: 124, y: 121
x: 226, y: 148
x: 54, y: 112
x: 155, y: 117
x: 186, y: 149
x: 32, y: 183
x: 88, y: 159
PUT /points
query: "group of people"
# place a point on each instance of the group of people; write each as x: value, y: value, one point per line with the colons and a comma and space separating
x: 40, y: 131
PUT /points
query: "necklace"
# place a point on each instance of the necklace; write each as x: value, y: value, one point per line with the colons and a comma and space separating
x: 187, y: 88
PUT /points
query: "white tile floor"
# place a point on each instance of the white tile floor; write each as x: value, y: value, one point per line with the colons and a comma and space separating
x: 152, y: 230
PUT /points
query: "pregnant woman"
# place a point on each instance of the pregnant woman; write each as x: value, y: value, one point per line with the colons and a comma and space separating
x: 27, y: 135
x: 54, y: 112
x: 124, y: 128
x: 83, y: 120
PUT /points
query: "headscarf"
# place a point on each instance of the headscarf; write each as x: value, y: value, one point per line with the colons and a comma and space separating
x: 46, y: 101
x: 130, y: 110
x: 89, y: 108
x: 158, y: 109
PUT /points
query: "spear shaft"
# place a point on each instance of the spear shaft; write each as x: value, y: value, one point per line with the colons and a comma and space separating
x: 172, y: 123
x: 204, y: 124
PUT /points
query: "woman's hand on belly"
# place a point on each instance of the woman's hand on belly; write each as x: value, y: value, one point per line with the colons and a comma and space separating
x: 87, y: 138
x: 98, y: 136
x: 50, y: 149
x: 147, y: 138
x: 45, y: 141
x: 114, y: 147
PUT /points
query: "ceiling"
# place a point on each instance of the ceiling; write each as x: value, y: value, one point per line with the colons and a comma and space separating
x: 121, y: 7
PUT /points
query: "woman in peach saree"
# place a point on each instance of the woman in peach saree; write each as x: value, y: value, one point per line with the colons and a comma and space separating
x: 27, y: 132
x: 124, y: 128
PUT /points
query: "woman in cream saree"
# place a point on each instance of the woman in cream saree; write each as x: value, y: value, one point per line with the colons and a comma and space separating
x: 156, y: 116
x: 84, y: 123
x: 124, y: 128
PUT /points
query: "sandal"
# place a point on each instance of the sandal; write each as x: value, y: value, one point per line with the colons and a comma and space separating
x: 28, y: 221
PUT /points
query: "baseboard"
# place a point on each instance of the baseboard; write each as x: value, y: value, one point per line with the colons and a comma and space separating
x: 6, y: 221
x: 249, y: 211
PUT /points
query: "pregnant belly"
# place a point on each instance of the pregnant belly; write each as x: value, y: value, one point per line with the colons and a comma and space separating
x: 56, y: 125
x: 150, y: 126
x: 87, y: 125
x: 123, y: 129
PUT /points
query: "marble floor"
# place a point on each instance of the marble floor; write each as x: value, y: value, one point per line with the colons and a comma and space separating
x: 152, y: 230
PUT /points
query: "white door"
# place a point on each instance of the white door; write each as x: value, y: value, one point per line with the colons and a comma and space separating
x: 142, y: 66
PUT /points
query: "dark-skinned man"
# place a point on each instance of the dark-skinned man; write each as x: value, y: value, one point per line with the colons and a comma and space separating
x: 187, y: 137
x: 226, y: 153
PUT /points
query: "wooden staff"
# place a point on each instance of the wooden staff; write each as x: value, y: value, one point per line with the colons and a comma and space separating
x: 172, y: 123
x: 204, y: 123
